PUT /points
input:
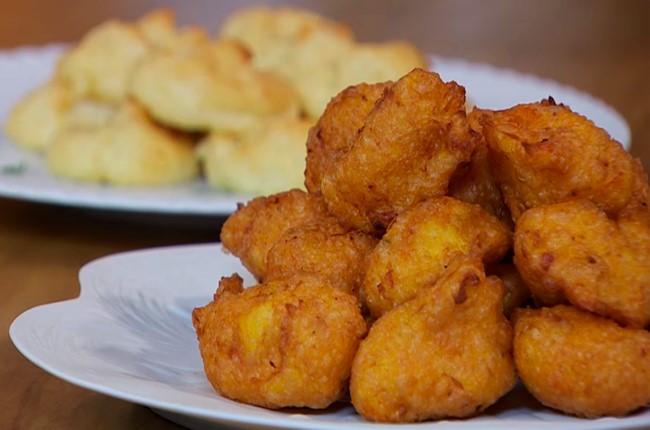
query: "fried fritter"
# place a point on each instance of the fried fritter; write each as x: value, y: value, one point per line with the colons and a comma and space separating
x: 581, y: 363
x: 288, y: 342
x: 410, y: 145
x: 323, y: 248
x: 209, y: 86
x: 637, y: 212
x: 474, y: 182
x: 337, y: 129
x: 573, y: 251
x: 264, y: 159
x: 422, y: 242
x: 517, y: 291
x: 253, y: 228
x: 445, y: 353
x: 127, y: 149
x: 543, y: 153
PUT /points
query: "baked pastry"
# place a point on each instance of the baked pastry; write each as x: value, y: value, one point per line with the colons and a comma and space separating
x: 265, y: 159
x: 210, y: 87
x: 101, y: 64
x: 319, y: 57
x: 129, y: 149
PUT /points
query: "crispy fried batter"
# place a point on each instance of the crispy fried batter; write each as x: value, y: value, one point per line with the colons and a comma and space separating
x: 410, y: 145
x: 422, y: 242
x: 474, y: 182
x: 572, y: 251
x: 337, y: 129
x: 265, y: 159
x: 252, y: 230
x: 323, y: 248
x: 517, y: 292
x: 542, y: 153
x: 445, y: 353
x: 127, y: 149
x: 580, y: 363
x: 289, y: 342
x: 636, y: 215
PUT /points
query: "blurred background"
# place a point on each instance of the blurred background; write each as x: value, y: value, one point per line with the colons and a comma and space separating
x: 599, y: 46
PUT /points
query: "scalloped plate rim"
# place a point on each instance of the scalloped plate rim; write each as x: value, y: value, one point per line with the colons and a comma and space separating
x: 244, y: 415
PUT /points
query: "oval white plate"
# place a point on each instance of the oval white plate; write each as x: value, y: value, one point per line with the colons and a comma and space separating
x: 24, y: 176
x: 129, y: 335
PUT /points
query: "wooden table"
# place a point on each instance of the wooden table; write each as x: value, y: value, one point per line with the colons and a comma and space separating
x: 597, y: 46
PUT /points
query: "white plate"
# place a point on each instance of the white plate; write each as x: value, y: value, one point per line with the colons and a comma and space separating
x: 23, y: 69
x: 129, y: 335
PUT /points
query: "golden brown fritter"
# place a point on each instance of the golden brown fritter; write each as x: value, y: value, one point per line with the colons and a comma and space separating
x: 422, y: 242
x: 542, y: 153
x: 581, y: 363
x: 288, y: 342
x: 253, y: 228
x: 517, y: 291
x: 323, y: 248
x: 637, y: 212
x: 36, y: 118
x: 473, y: 182
x: 337, y: 129
x: 572, y: 251
x: 410, y: 145
x: 445, y: 353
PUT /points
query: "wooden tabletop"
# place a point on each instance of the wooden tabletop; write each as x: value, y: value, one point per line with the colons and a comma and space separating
x: 601, y: 47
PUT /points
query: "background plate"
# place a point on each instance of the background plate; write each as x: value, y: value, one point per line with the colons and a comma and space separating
x: 129, y: 335
x: 24, y: 176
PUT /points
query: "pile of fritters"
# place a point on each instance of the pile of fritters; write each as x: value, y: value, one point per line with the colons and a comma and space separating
x: 437, y: 258
x: 147, y: 103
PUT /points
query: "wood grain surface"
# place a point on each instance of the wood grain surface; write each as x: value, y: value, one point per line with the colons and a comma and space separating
x: 598, y: 46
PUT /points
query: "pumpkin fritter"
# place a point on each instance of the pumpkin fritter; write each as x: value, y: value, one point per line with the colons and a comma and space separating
x: 411, y: 143
x: 422, y: 242
x: 288, y: 342
x: 337, y: 129
x: 323, y: 248
x: 573, y: 252
x: 445, y: 353
x: 543, y: 153
x: 580, y: 363
x: 251, y: 231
